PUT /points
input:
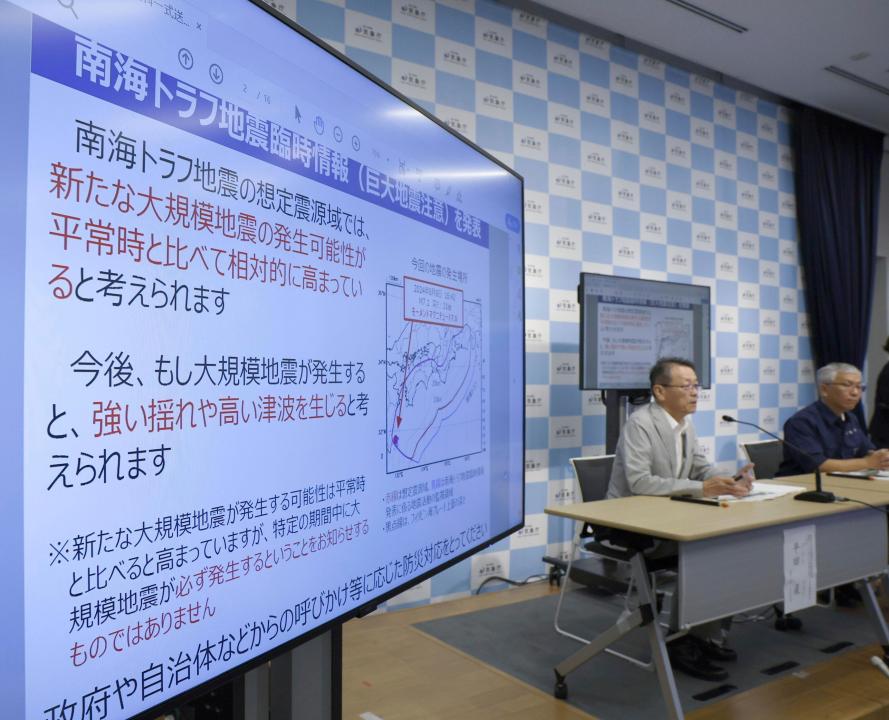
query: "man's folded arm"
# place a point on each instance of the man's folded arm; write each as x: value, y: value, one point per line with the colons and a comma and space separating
x: 847, y: 465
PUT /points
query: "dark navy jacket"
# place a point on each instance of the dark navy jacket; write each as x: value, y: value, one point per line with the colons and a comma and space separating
x: 821, y: 435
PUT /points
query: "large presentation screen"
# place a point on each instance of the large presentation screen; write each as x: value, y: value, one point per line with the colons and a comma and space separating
x: 627, y: 323
x: 263, y: 347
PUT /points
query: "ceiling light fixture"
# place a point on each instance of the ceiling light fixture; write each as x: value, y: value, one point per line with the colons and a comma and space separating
x: 857, y: 79
x: 707, y: 15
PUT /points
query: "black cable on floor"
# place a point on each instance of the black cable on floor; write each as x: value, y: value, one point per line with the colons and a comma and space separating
x: 526, y: 581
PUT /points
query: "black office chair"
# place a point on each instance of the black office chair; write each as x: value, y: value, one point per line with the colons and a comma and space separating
x: 593, y: 474
x: 766, y: 455
x: 598, y: 568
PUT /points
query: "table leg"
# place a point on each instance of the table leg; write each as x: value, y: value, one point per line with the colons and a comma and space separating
x: 656, y: 640
x: 876, y: 614
x: 645, y: 614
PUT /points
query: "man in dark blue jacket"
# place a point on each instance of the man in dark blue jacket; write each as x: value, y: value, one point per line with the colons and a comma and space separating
x: 828, y: 432
x: 831, y: 439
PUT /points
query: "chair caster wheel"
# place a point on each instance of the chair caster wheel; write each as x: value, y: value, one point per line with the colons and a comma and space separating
x: 560, y: 691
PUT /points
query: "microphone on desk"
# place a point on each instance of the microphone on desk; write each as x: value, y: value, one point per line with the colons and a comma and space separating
x: 816, y: 495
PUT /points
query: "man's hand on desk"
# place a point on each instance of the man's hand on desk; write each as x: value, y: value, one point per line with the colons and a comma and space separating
x: 875, y: 461
x: 878, y: 459
x: 719, y: 485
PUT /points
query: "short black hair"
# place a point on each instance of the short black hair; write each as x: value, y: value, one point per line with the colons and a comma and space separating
x: 661, y: 373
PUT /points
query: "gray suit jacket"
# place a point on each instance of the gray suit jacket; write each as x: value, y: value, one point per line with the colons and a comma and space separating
x: 645, y: 459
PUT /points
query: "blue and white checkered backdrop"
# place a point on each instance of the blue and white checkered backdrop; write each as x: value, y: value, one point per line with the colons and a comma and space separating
x: 631, y: 167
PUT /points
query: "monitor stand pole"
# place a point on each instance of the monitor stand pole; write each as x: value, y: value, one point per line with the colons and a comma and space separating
x: 617, y: 409
x: 300, y: 684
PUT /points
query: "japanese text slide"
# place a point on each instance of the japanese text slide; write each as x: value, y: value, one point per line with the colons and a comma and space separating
x: 261, y: 387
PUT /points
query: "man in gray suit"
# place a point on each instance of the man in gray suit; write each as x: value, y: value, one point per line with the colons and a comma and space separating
x: 658, y: 454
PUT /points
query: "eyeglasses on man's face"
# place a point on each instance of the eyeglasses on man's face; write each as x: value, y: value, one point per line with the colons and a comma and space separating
x: 689, y: 387
x: 850, y: 386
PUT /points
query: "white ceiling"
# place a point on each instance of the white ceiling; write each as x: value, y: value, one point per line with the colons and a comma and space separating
x: 785, y: 50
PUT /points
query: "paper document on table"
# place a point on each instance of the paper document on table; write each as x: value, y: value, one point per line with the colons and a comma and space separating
x: 764, y: 491
x: 800, y: 579
x: 870, y: 473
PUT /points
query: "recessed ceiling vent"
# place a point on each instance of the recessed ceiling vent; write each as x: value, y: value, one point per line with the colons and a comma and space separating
x: 707, y: 15
x: 856, y: 79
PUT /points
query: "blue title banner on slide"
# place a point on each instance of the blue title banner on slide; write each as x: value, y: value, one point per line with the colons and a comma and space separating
x: 83, y: 64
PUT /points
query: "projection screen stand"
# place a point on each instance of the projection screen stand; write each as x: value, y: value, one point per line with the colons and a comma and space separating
x: 302, y: 684
x: 617, y: 408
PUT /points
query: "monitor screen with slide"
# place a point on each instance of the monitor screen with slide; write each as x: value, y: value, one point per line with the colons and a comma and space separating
x: 263, y: 366
x: 627, y: 323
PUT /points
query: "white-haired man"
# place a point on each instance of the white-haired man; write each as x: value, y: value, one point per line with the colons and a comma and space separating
x: 827, y: 432
x: 827, y: 435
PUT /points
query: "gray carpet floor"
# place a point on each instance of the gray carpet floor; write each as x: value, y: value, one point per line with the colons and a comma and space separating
x: 519, y: 639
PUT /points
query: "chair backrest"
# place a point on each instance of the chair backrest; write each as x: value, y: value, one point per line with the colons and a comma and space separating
x: 593, y: 474
x: 766, y: 456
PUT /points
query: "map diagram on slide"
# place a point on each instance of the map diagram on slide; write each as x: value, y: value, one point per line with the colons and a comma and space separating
x: 674, y: 338
x: 434, y: 394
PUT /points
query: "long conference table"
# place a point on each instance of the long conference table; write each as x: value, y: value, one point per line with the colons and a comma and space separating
x: 731, y: 559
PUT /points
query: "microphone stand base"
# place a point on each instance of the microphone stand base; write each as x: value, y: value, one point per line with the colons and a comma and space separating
x: 819, y: 496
